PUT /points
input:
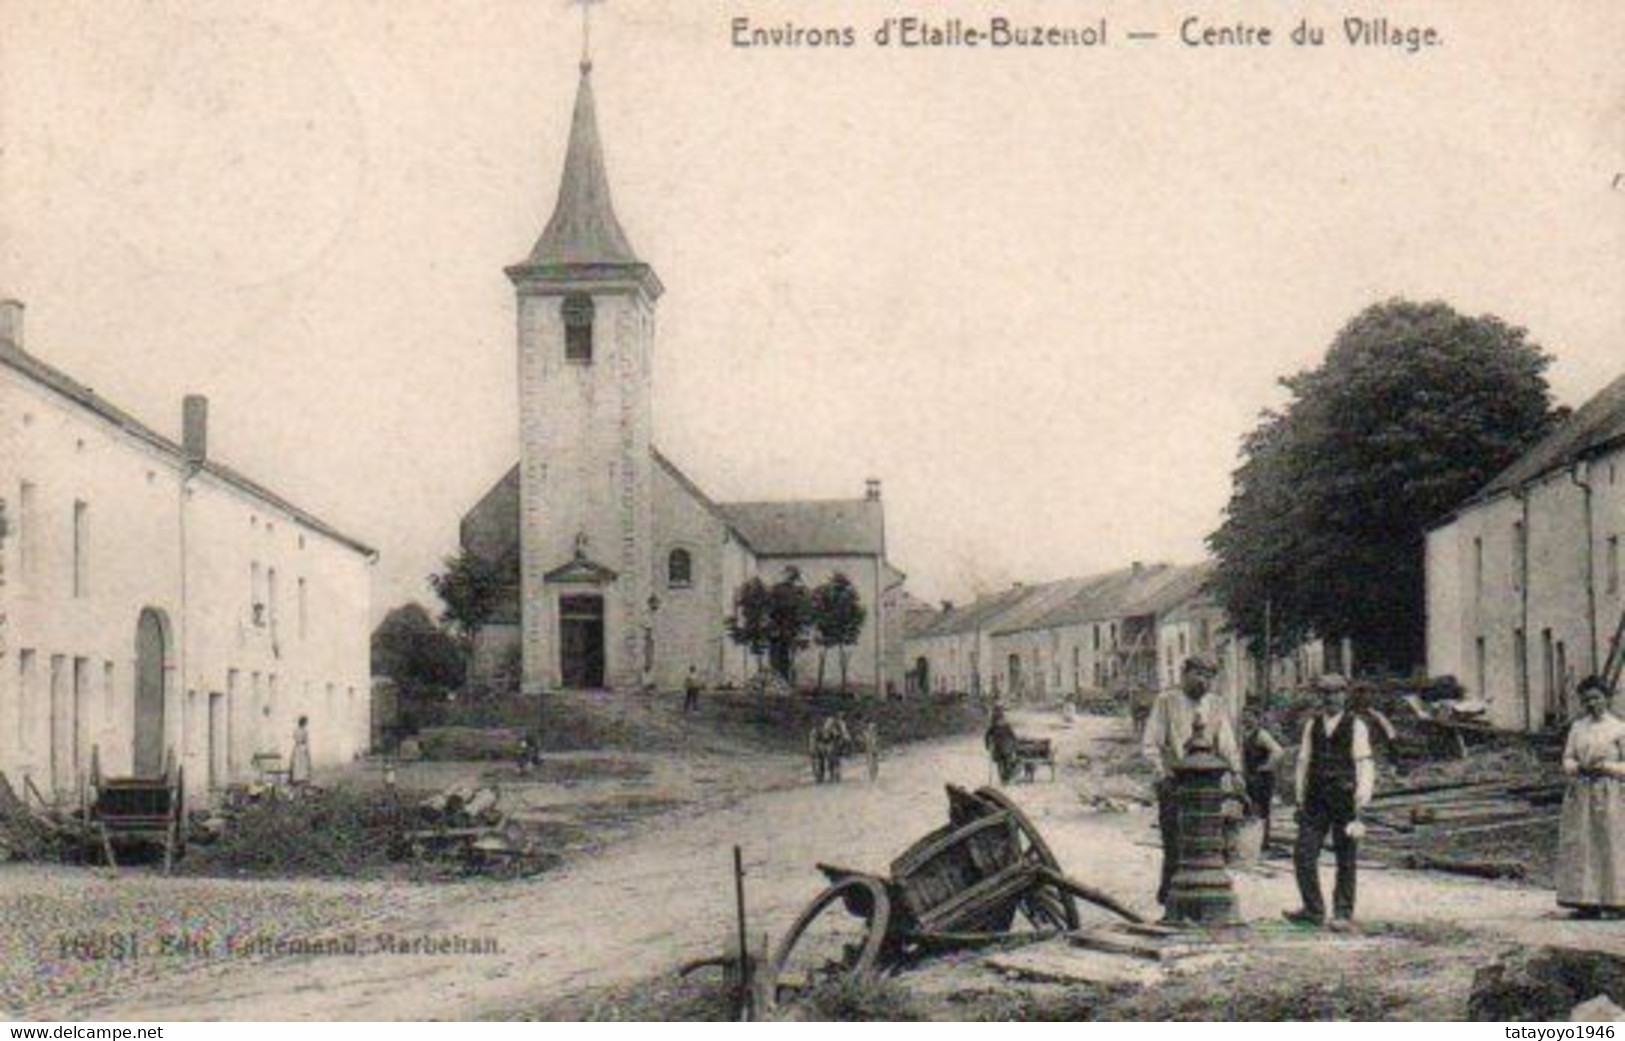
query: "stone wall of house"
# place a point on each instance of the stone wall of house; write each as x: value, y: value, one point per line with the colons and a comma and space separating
x: 264, y: 618
x: 1523, y: 598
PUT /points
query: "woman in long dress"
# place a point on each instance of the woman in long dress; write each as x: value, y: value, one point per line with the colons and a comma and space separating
x: 1591, y: 842
x: 299, y: 764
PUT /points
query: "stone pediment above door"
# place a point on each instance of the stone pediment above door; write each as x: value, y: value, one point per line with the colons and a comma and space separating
x: 581, y: 570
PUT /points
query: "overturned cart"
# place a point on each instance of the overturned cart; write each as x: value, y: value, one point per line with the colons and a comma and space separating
x: 986, y: 877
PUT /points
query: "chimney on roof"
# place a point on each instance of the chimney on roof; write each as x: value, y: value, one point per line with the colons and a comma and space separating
x: 947, y: 605
x: 871, y: 489
x: 11, y: 322
x: 195, y: 428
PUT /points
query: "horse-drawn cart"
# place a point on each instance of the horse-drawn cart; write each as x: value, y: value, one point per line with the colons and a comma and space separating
x: 137, y: 810
x: 969, y: 883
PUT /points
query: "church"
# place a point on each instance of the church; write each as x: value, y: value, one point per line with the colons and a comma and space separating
x: 625, y: 569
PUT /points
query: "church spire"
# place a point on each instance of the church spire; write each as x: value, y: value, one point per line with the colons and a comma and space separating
x: 583, y: 229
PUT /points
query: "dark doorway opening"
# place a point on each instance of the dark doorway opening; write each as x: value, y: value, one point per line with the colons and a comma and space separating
x: 581, y: 641
x: 151, y: 646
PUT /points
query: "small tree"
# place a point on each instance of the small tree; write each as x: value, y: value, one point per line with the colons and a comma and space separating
x: 749, y: 627
x: 789, y: 619
x: 838, y: 615
x: 470, y: 589
x: 409, y: 648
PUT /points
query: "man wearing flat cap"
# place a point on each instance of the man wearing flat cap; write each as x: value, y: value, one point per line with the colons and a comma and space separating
x: 1168, y: 731
x: 1335, y: 780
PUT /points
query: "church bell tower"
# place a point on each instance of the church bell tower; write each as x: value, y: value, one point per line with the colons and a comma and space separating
x: 586, y: 321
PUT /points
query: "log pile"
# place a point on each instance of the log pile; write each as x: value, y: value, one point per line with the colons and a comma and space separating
x: 1409, y: 825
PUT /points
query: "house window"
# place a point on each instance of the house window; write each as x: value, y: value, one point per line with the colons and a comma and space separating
x: 578, y: 315
x: 270, y: 595
x: 81, y: 549
x: 679, y: 569
x: 1478, y: 569
x: 25, y: 698
x: 1611, y: 563
x: 109, y: 691
x: 256, y: 601
x: 27, y: 554
x: 1520, y: 554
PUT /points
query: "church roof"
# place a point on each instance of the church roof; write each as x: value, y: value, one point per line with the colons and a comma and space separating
x: 815, y: 528
x: 1598, y: 425
x: 583, y: 229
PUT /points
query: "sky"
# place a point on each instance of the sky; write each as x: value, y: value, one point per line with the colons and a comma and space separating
x: 1041, y: 294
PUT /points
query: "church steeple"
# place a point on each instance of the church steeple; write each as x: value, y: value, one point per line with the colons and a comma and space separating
x: 583, y: 229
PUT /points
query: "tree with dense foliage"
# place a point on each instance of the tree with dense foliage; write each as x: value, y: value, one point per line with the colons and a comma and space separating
x: 470, y: 589
x: 837, y: 621
x: 1415, y: 408
x: 789, y: 620
x: 409, y: 648
x: 749, y: 627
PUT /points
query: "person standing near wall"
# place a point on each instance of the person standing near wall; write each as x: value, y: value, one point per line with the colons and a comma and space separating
x: 299, y: 770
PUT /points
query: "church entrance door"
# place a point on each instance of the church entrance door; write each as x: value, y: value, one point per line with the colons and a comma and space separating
x: 581, y: 641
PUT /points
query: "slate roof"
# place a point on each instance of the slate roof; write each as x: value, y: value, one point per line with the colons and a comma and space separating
x: 810, y: 528
x: 1597, y: 425
x: 1181, y: 585
x: 1044, y: 599
x: 1127, y: 593
x: 54, y: 379
x: 836, y: 527
x: 976, y: 614
x: 583, y: 229
x: 696, y: 492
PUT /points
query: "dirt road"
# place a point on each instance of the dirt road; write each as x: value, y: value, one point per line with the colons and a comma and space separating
x: 652, y: 901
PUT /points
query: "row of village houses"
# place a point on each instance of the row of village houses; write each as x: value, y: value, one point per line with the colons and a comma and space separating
x: 1111, y: 633
x: 1524, y: 599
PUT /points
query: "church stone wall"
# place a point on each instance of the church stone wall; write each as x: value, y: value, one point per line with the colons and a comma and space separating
x: 689, y: 623
x: 585, y: 471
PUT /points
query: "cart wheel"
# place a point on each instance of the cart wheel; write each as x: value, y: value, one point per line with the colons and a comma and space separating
x: 823, y: 946
x: 1046, y: 905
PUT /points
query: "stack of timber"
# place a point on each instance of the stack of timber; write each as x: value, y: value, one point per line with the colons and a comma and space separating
x: 24, y: 834
x: 1408, y: 825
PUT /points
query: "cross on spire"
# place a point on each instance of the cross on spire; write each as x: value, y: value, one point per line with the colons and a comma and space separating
x: 586, y: 29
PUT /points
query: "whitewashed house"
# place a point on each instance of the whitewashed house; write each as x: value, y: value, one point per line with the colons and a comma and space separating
x: 155, y: 602
x: 1523, y: 582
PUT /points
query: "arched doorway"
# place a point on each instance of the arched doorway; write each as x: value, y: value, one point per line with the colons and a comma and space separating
x: 151, y: 652
x: 922, y: 676
x: 1015, y: 675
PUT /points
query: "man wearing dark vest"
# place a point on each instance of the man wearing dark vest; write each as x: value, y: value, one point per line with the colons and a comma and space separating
x: 1335, y: 781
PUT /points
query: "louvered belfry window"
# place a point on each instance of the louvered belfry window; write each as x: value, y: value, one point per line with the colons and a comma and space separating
x: 578, y: 315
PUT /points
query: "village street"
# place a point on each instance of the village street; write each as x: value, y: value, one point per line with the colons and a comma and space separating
x: 663, y: 896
